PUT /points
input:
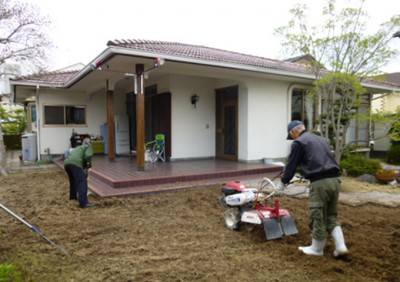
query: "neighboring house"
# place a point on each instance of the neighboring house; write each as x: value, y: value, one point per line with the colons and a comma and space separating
x: 388, y: 102
x: 209, y: 103
x: 303, y: 59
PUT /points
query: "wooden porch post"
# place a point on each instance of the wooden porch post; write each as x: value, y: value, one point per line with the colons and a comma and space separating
x: 140, y: 118
x: 110, y: 122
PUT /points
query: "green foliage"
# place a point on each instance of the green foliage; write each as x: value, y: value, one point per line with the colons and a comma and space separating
x: 343, y: 53
x: 14, y: 122
x: 356, y: 165
x: 393, y: 120
x: 3, y: 114
x: 340, y: 42
x: 394, y: 131
x: 9, y: 273
x: 341, y: 96
x: 393, y: 155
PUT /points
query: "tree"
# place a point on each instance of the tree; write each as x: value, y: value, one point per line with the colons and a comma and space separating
x: 344, y: 55
x: 15, y: 122
x: 23, y: 41
x: 341, y: 94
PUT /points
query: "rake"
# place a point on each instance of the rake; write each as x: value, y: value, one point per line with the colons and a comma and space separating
x: 34, y: 229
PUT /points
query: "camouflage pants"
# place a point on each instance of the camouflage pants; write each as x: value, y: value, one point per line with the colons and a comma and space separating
x: 323, y: 201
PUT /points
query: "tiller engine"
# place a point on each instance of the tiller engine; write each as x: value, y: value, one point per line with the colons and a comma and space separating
x: 248, y: 206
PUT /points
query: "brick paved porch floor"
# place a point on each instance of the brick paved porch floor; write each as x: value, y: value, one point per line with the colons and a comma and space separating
x: 120, y: 177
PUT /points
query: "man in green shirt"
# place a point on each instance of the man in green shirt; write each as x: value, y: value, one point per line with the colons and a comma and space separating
x: 79, y: 159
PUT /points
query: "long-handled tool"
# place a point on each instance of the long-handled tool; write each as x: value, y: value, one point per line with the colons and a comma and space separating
x: 34, y: 229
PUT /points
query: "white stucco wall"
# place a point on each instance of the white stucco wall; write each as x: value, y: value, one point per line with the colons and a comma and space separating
x: 382, y: 142
x: 263, y: 115
x: 119, y: 103
x: 389, y: 104
x: 193, y: 129
x: 262, y: 118
x: 267, y: 120
x: 56, y: 139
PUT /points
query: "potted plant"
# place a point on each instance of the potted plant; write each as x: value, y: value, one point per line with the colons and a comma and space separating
x: 385, y: 174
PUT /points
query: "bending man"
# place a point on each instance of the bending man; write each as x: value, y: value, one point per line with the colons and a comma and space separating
x: 75, y: 165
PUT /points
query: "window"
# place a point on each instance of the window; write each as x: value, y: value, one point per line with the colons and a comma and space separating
x: 64, y: 115
x: 303, y: 107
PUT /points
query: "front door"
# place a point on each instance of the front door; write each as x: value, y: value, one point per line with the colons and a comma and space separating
x: 227, y: 123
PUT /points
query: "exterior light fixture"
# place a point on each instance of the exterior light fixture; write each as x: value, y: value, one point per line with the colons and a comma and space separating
x: 158, y: 62
x: 194, y: 99
x: 96, y: 65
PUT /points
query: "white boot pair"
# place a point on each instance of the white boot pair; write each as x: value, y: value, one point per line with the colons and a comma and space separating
x: 317, y: 247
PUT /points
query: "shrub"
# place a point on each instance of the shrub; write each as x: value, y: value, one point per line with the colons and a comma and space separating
x: 356, y: 165
x: 8, y: 272
x: 393, y: 155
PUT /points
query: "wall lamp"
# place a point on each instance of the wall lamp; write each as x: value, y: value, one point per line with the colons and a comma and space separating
x: 194, y: 99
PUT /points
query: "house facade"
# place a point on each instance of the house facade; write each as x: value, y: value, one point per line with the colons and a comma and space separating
x: 387, y: 103
x: 209, y: 103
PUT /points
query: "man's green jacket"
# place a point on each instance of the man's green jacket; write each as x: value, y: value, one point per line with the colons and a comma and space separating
x: 80, y: 156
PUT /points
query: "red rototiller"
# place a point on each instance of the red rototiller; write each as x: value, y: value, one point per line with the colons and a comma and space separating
x: 250, y: 206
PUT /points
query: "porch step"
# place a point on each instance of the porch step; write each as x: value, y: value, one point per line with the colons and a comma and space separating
x: 105, y: 187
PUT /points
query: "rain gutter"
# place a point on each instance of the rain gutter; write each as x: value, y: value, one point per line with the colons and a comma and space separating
x: 37, y: 122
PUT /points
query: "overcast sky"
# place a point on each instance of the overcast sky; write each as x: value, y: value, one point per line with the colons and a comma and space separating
x: 81, y: 28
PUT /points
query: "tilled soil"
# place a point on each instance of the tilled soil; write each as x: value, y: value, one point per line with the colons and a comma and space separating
x: 180, y: 236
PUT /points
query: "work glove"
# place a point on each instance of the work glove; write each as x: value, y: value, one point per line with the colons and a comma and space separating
x: 280, y: 188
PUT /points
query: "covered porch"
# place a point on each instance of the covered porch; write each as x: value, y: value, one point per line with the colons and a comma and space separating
x: 121, y: 178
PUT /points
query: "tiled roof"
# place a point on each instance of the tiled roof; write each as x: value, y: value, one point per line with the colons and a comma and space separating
x: 299, y: 58
x: 394, y: 77
x: 174, y: 49
x: 56, y: 78
x: 206, y: 53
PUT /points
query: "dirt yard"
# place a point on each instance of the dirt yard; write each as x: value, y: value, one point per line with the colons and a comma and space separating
x: 181, y: 236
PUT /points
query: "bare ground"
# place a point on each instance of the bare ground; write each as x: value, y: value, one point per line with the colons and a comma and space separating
x: 181, y: 236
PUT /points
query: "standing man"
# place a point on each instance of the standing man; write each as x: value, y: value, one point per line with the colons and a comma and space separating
x: 312, y: 153
x: 75, y: 165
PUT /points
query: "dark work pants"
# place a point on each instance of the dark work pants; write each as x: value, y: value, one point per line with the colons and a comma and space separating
x: 77, y: 184
x: 323, y: 202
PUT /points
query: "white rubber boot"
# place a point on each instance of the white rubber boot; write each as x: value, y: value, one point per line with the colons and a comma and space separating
x: 316, y: 248
x: 340, y: 246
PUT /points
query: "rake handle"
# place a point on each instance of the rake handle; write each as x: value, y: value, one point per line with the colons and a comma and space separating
x: 34, y: 229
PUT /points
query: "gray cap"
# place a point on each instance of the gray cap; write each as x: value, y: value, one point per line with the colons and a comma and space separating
x: 292, y: 125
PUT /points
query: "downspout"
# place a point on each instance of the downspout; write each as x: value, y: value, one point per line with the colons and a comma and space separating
x: 37, y: 122
x: 14, y: 99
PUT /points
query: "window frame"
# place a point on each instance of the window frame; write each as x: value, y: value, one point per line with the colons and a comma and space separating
x: 64, y: 113
x: 302, y: 91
